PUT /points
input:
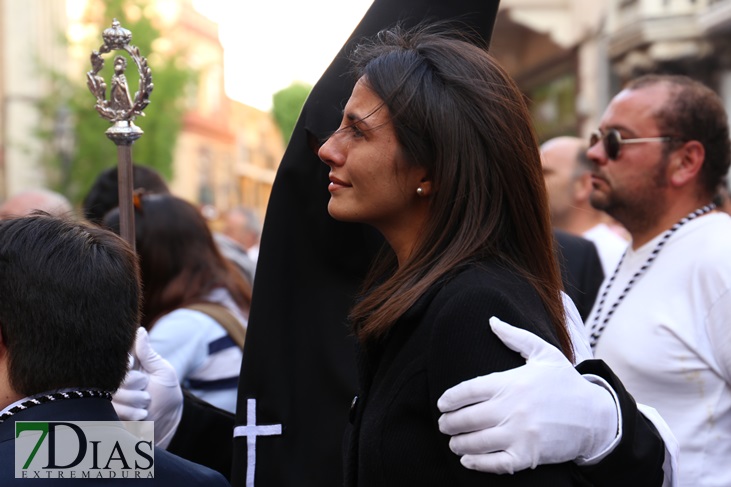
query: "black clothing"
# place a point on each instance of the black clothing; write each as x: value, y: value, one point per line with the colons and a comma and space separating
x: 581, y: 270
x: 204, y: 435
x: 442, y: 340
x: 299, y: 358
x: 637, y: 461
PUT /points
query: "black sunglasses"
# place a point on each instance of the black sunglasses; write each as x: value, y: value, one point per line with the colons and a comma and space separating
x: 613, y: 141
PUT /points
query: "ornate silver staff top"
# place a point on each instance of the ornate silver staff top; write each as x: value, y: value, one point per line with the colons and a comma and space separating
x: 121, y: 109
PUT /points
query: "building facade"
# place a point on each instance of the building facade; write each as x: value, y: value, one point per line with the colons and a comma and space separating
x: 28, y: 40
x: 221, y: 143
x: 571, y: 56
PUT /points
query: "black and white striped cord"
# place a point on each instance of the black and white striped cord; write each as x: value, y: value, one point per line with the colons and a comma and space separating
x: 56, y: 396
x: 597, y: 328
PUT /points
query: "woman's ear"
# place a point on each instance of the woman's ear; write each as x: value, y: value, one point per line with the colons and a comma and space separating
x: 425, y: 188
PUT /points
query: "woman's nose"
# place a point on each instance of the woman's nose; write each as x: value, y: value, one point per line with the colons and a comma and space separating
x: 329, y: 152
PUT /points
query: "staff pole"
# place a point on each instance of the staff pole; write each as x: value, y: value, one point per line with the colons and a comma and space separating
x: 121, y: 109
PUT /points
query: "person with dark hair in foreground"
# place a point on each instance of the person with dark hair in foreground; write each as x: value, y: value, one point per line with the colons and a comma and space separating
x: 436, y: 151
x: 68, y: 317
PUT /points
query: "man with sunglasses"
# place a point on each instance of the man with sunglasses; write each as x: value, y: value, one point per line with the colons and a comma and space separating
x: 661, y: 155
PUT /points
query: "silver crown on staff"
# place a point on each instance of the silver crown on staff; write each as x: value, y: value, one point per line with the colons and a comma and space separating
x: 120, y: 109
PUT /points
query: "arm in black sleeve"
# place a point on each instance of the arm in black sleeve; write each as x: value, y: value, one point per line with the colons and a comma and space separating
x: 638, y: 458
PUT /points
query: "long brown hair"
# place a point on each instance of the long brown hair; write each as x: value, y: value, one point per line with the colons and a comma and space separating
x: 457, y: 113
x: 179, y: 260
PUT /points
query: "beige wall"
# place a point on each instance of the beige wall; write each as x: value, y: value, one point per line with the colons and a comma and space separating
x: 28, y: 39
x: 232, y: 153
x: 260, y: 150
x: 603, y: 43
x: 540, y: 42
x: 228, y: 153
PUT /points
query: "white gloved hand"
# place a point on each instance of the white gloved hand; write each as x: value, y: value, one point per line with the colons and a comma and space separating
x: 164, y: 395
x: 131, y: 399
x: 540, y: 413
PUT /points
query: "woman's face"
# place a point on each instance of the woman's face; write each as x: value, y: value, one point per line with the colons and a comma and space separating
x: 370, y: 179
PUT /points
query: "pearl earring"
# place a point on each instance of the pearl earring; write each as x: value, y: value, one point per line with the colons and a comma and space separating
x: 420, y: 191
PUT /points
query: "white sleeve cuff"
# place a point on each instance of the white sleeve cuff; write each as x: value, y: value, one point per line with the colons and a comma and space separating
x: 595, y: 379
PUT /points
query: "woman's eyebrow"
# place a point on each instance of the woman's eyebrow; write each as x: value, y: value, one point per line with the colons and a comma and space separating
x: 356, y: 119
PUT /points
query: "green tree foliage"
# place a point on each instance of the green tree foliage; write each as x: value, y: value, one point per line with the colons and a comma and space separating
x: 72, y: 174
x: 286, y: 107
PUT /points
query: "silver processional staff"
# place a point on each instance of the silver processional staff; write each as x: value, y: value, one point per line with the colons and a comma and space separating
x: 121, y: 109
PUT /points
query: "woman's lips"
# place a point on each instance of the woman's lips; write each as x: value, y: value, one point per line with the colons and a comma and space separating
x: 336, y: 184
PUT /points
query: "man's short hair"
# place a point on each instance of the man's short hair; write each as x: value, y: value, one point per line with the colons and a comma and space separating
x: 70, y: 304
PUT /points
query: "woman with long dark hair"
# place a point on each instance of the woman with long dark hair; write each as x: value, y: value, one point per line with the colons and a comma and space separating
x: 195, y: 303
x: 436, y: 151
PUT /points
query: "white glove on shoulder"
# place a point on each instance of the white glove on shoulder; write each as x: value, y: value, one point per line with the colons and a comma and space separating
x: 152, y: 393
x: 540, y: 413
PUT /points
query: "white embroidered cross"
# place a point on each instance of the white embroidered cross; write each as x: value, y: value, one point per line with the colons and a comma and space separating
x: 251, y: 431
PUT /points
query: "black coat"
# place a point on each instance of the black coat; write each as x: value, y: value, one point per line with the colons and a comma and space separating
x: 581, y: 270
x: 441, y: 341
x: 204, y: 435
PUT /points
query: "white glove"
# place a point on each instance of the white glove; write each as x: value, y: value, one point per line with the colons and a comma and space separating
x: 157, y: 399
x: 131, y: 399
x: 543, y: 412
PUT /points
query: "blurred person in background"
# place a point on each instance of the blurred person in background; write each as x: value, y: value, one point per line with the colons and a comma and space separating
x: 25, y: 202
x: 567, y: 171
x: 103, y: 196
x: 195, y: 304
x: 243, y: 226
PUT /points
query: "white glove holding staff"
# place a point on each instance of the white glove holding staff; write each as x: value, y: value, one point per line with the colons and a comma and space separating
x: 132, y: 399
x: 152, y: 393
x: 541, y: 413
